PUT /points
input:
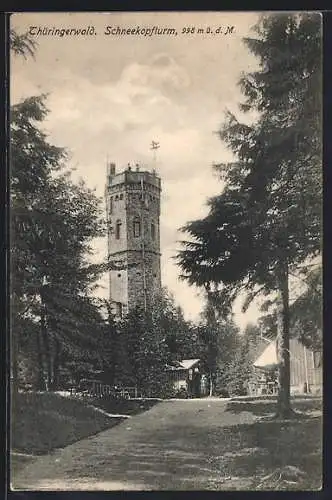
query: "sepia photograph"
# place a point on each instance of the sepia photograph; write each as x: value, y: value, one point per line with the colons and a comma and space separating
x: 166, y: 193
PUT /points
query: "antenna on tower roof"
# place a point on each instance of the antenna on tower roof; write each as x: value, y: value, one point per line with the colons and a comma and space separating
x: 154, y: 147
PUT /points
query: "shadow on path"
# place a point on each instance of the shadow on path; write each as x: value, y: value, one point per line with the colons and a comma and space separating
x: 267, y: 407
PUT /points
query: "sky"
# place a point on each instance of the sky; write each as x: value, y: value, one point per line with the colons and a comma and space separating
x: 109, y: 96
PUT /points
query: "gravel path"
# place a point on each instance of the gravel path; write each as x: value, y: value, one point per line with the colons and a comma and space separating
x: 174, y: 446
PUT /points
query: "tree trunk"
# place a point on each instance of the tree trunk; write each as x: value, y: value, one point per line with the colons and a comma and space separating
x: 14, y: 346
x: 40, y: 358
x: 46, y: 345
x: 211, y: 320
x: 14, y: 364
x: 211, y: 384
x: 284, y: 408
x: 56, y: 366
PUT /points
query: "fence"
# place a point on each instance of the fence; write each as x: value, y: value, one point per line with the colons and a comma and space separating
x: 94, y: 388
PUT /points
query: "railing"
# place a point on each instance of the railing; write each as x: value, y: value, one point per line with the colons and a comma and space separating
x: 263, y: 388
x: 99, y: 389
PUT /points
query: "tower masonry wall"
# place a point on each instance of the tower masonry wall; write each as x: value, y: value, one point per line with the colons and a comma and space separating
x: 133, y: 212
x: 148, y: 275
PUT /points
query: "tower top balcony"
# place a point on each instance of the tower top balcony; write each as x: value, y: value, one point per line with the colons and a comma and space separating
x: 132, y: 175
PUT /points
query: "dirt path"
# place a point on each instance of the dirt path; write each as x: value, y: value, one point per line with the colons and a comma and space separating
x: 173, y: 446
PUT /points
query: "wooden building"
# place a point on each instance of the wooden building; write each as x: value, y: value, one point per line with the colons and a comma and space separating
x: 188, y: 377
x: 306, y: 371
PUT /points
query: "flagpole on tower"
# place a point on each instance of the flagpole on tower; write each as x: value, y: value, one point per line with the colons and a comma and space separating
x: 154, y: 148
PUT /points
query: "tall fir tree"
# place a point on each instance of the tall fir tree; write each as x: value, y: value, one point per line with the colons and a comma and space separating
x: 267, y: 221
x: 52, y: 224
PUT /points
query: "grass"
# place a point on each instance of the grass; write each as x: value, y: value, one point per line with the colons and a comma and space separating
x: 277, y: 454
x: 42, y: 422
x: 123, y: 406
x: 268, y: 406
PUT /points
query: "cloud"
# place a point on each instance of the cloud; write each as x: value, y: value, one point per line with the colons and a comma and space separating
x: 162, y: 72
x: 137, y: 98
x: 111, y: 97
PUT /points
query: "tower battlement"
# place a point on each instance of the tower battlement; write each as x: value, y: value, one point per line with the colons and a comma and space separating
x: 133, y: 212
x: 130, y: 176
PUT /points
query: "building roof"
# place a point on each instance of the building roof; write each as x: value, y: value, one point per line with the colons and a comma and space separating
x: 184, y: 364
x: 189, y: 363
x: 269, y: 358
x: 257, y: 349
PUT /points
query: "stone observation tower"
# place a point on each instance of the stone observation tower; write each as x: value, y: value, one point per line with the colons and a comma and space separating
x: 133, y: 212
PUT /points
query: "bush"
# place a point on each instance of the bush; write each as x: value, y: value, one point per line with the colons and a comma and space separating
x: 181, y: 393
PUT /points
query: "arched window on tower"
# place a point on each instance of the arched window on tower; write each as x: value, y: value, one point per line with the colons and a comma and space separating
x: 118, y: 230
x: 111, y: 205
x: 137, y: 227
x: 119, y: 309
x: 153, y: 231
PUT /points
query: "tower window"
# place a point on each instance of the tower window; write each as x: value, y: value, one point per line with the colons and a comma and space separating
x: 121, y: 196
x: 111, y: 205
x: 317, y: 359
x: 116, y: 197
x: 118, y: 230
x: 119, y: 309
x: 153, y: 231
x: 137, y: 228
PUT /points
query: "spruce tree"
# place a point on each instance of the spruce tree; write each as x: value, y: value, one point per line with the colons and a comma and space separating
x: 267, y: 220
x: 53, y: 223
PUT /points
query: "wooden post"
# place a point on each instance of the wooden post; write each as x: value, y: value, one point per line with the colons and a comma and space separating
x: 306, y: 368
x: 313, y: 369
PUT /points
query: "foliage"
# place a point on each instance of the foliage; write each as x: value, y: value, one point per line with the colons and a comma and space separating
x: 141, y: 352
x: 180, y: 335
x: 22, y: 44
x: 239, y: 369
x: 305, y: 310
x: 270, y: 209
x: 218, y: 340
x: 136, y: 350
